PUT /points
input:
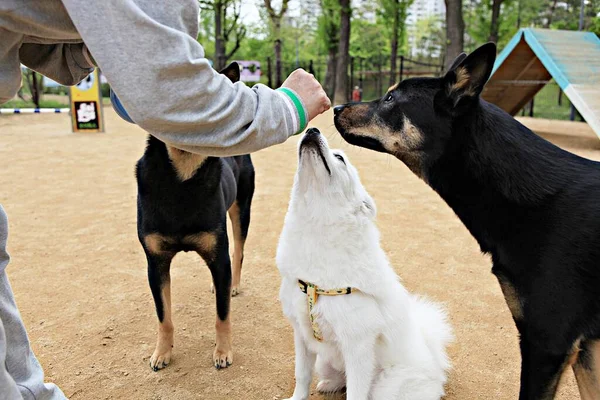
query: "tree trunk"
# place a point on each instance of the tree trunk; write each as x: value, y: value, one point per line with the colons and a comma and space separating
x: 330, y: 74
x: 269, y: 73
x: 34, y: 88
x: 341, y: 81
x: 394, y: 44
x: 277, y: 49
x: 276, y: 26
x: 548, y: 21
x: 455, y: 30
x: 495, y: 16
x: 219, y: 42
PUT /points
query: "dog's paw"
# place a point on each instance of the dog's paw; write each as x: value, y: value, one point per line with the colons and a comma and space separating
x: 330, y: 386
x: 222, y: 358
x: 235, y: 290
x: 160, y: 359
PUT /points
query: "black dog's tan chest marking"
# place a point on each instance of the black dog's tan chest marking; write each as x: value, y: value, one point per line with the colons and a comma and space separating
x: 185, y: 164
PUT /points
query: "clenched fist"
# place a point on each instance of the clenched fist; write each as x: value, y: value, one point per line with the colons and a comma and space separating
x: 310, y: 91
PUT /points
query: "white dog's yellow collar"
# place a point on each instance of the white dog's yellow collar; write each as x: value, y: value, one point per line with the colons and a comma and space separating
x: 312, y: 294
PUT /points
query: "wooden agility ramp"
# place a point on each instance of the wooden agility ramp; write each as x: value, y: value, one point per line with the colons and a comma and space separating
x: 534, y: 56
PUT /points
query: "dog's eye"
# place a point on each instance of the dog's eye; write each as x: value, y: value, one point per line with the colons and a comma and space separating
x: 340, y: 158
x: 388, y: 98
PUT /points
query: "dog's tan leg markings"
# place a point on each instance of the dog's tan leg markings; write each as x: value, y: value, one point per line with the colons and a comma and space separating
x: 164, y: 343
x: 223, y: 354
x: 238, y: 249
x: 512, y: 298
x: 155, y: 243
x: 587, y: 371
x: 157, y: 246
x: 205, y: 244
x: 186, y: 164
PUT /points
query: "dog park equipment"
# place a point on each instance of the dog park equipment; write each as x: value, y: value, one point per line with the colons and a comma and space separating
x: 85, y: 101
x: 33, y: 110
x: 534, y: 56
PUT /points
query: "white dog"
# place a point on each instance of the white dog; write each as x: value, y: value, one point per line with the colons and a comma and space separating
x: 351, y: 315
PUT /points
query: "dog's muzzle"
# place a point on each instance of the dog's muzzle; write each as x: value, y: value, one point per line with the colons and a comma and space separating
x: 312, y: 138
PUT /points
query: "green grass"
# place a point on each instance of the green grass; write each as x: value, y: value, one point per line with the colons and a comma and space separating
x: 43, y: 104
x: 546, y: 105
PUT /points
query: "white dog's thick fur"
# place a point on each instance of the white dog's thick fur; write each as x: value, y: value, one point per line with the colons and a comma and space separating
x: 381, y: 343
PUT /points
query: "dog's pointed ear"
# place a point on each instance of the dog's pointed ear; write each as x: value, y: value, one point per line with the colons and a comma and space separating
x: 232, y: 71
x: 466, y: 78
x: 460, y: 58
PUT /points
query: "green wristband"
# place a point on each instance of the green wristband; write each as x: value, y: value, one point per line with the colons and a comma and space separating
x: 299, y: 107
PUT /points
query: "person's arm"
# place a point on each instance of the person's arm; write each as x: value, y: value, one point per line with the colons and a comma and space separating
x: 66, y: 63
x: 148, y: 52
x: 10, y: 68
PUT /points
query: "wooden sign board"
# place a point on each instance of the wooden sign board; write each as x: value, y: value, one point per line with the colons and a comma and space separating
x: 85, y: 100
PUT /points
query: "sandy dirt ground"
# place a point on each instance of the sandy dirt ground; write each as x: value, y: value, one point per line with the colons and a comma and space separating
x: 79, y: 273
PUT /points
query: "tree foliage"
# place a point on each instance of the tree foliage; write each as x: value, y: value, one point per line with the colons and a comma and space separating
x: 314, y: 31
x: 226, y: 27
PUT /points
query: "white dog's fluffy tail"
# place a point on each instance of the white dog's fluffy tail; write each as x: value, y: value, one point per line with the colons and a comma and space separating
x: 433, y: 320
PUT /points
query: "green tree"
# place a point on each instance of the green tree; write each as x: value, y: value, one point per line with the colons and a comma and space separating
x: 343, y: 57
x: 328, y: 30
x: 275, y: 18
x: 455, y: 30
x: 567, y: 16
x: 393, y: 14
x: 228, y: 29
x: 428, y: 35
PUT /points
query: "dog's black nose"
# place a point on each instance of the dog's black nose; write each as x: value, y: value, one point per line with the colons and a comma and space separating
x: 338, y: 109
x: 313, y: 132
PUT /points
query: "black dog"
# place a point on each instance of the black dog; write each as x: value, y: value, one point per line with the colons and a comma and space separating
x: 534, y: 207
x: 183, y: 199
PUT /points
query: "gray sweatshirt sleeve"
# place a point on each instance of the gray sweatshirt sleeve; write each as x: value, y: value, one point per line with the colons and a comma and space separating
x: 66, y: 63
x: 40, y: 35
x: 148, y: 52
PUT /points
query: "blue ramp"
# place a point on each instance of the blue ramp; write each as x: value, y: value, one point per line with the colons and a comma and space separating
x: 534, y: 56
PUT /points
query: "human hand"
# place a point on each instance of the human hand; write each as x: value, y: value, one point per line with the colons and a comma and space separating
x: 310, y: 92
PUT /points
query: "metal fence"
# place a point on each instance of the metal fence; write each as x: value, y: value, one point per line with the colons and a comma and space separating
x: 370, y: 76
x: 373, y: 77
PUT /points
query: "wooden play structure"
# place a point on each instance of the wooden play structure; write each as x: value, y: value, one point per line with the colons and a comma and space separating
x: 535, y: 56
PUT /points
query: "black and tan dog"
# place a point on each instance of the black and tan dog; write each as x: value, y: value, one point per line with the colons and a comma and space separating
x: 534, y: 207
x: 183, y: 200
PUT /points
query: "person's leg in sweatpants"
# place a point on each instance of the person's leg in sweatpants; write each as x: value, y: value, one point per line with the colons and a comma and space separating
x: 21, y: 375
